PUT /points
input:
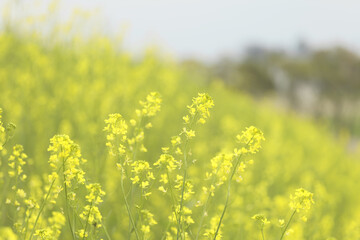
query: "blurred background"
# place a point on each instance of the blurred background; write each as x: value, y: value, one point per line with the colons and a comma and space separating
x: 290, y: 68
x: 304, y: 55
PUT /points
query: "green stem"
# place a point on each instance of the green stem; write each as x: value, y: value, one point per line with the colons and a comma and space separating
x: 41, y: 209
x: 206, y: 203
x: 127, y: 204
x: 6, y: 141
x: 227, y: 196
x: 43, y: 205
x: 262, y: 232
x: 172, y: 195
x: 202, y: 216
x: 67, y: 212
x: 106, y: 232
x: 27, y: 223
x: 182, y: 190
x: 87, y: 220
x: 173, y: 198
x: 287, y: 225
x: 134, y: 153
x: 191, y: 125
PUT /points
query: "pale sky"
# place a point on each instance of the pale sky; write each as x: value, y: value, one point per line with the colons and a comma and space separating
x: 208, y: 28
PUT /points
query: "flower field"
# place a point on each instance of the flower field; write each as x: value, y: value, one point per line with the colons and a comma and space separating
x: 97, y: 144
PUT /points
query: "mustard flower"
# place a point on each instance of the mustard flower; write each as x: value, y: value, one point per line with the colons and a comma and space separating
x: 151, y: 105
x: 16, y: 162
x: 147, y: 221
x: 94, y: 193
x: 221, y: 166
x: 91, y: 213
x: 185, y: 215
x: 200, y: 106
x: 65, y: 154
x: 92, y: 216
x: 116, y: 130
x: 142, y: 175
x: 45, y: 233
x: 252, y: 137
x: 167, y: 161
x: 301, y: 200
x: 261, y: 220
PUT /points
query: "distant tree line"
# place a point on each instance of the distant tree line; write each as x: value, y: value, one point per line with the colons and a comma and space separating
x: 322, y: 83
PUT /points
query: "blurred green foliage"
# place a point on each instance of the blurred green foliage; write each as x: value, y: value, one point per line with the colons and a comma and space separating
x: 321, y: 83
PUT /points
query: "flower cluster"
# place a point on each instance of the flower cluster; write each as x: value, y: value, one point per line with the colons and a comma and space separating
x: 226, y: 165
x: 198, y: 113
x: 261, y: 220
x: 199, y: 108
x: 147, y: 221
x: 301, y: 200
x: 185, y: 218
x: 91, y: 213
x: 125, y: 141
x: 66, y: 155
x: 150, y: 106
x: 166, y: 161
x: 252, y: 138
x: 221, y: 166
x: 142, y: 175
x: 16, y: 162
x: 116, y: 130
x: 53, y: 231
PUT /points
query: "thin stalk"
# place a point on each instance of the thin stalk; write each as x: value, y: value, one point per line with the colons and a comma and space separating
x: 76, y: 214
x: 140, y: 218
x: 6, y: 141
x: 202, y: 217
x: 41, y: 209
x: 287, y: 225
x: 205, y: 205
x: 182, y: 190
x: 127, y: 205
x: 87, y: 220
x: 43, y: 205
x: 74, y: 218
x: 184, y: 178
x: 106, y: 232
x: 134, y: 153
x: 27, y: 223
x: 227, y: 196
x: 173, y: 198
x: 262, y: 232
x: 228, y: 191
x: 67, y: 211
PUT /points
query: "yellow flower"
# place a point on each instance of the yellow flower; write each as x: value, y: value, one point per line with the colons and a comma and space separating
x: 261, y: 219
x: 301, y: 200
x: 252, y: 137
x: 151, y: 105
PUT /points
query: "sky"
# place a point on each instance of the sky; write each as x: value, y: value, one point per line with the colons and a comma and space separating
x: 207, y: 29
